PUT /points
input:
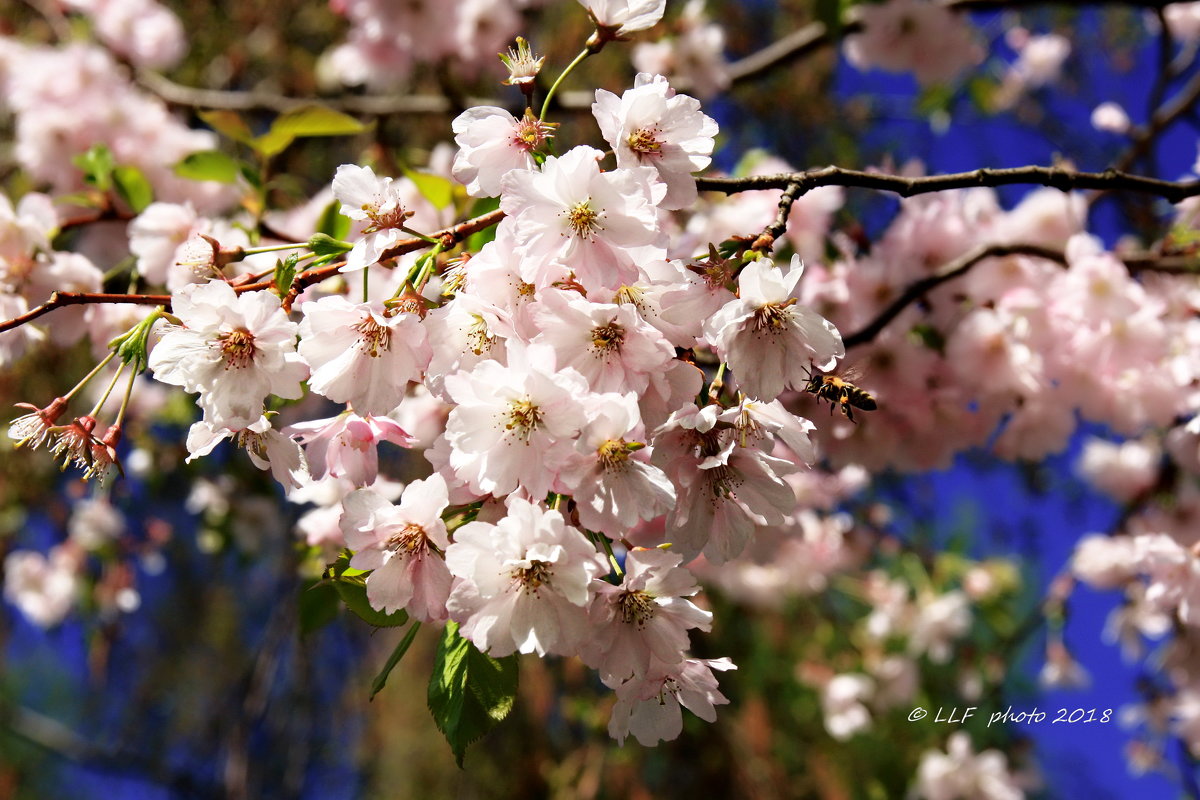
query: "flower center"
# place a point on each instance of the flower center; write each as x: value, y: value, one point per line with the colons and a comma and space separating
x: 607, y: 338
x: 584, y: 220
x: 373, y: 339
x: 645, y: 142
x: 534, y: 576
x: 530, y: 133
x: 409, y: 541
x: 523, y: 417
x: 612, y: 454
x: 774, y: 317
x: 238, y: 347
x: 479, y: 338
x: 385, y: 213
x: 637, y: 608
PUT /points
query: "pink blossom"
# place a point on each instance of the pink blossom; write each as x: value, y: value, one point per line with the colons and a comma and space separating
x: 587, y: 218
x: 374, y: 201
x: 649, y: 707
x: 695, y: 55
x: 360, y: 353
x: 347, y: 446
x: 625, y: 16
x: 492, y: 142
x: 267, y: 448
x: 513, y: 426
x: 611, y: 479
x: 769, y: 340
x: 650, y: 125
x: 523, y: 584
x: 42, y: 588
x: 610, y: 345
x: 404, y: 545
x: 232, y: 349
x: 645, y: 619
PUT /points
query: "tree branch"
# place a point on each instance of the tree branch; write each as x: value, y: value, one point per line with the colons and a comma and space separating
x: 61, y: 299
x: 954, y: 269
x: 800, y: 183
x: 450, y: 236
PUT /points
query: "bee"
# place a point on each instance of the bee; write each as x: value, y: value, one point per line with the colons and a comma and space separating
x: 839, y: 391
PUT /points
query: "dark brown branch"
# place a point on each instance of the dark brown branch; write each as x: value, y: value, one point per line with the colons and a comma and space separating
x: 1057, y: 177
x: 61, y: 299
x: 1144, y: 136
x: 954, y: 269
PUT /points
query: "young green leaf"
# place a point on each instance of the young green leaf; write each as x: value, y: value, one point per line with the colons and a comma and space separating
x: 394, y: 659
x: 133, y: 187
x: 228, y: 123
x: 209, y: 165
x: 303, y: 122
x: 437, y: 190
x: 97, y: 165
x: 333, y: 223
x: 469, y: 692
x: 351, y: 586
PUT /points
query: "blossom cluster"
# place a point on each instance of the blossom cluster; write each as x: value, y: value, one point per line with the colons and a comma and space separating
x: 610, y: 387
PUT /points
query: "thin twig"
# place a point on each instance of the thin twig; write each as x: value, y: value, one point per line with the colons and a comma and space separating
x: 1056, y: 177
x: 61, y: 299
x: 954, y: 269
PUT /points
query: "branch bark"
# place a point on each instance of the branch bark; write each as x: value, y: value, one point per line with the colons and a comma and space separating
x: 800, y: 183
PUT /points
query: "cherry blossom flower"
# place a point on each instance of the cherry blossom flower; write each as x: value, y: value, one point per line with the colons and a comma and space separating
x: 611, y: 480
x: 267, y: 448
x: 589, y: 219
x: 625, y: 16
x: 514, y: 425
x: 609, y: 345
x: 644, y: 619
x: 233, y: 349
x: 650, y: 125
x: 347, y: 446
x: 374, y: 201
x: 649, y: 707
x: 404, y: 545
x: 524, y: 583
x: 360, y: 353
x: 766, y: 337
x: 492, y: 142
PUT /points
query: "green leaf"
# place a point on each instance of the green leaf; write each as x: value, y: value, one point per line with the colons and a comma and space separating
x: 318, y: 606
x: 437, y: 190
x: 230, y: 124
x: 394, y: 659
x: 351, y: 586
x: 209, y: 165
x: 285, y: 273
x: 303, y: 122
x: 133, y: 187
x: 469, y: 692
x: 97, y: 165
x: 323, y: 245
x: 333, y: 223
